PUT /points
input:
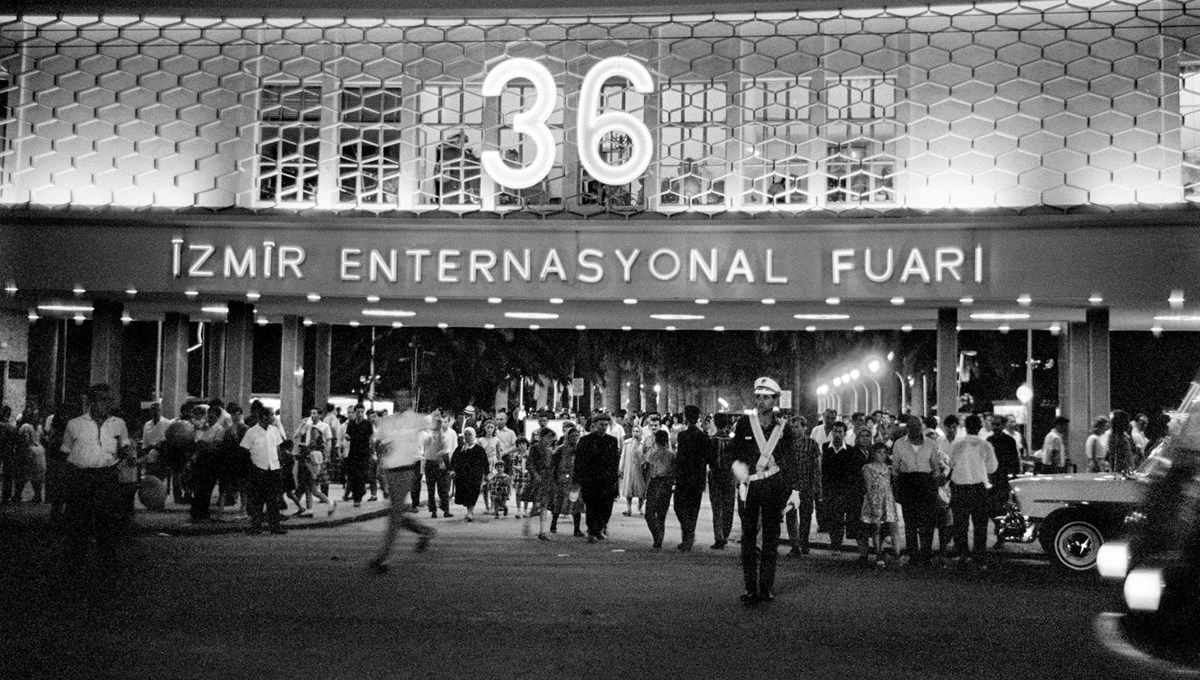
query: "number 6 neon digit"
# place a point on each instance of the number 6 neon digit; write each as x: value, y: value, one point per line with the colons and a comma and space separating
x: 531, y: 123
x: 592, y: 126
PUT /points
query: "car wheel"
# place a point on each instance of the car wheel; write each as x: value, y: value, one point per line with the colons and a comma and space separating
x: 1076, y: 543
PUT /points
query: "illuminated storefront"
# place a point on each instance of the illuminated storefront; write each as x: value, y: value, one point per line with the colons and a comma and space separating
x: 877, y: 166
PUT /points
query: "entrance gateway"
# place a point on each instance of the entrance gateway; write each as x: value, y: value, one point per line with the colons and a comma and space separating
x: 654, y: 171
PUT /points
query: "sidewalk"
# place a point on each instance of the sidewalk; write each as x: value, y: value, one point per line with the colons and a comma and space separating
x: 174, y: 519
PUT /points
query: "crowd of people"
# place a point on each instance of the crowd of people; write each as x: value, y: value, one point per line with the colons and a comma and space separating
x: 862, y: 477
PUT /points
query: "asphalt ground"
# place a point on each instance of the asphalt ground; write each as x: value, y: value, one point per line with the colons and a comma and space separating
x: 487, y: 602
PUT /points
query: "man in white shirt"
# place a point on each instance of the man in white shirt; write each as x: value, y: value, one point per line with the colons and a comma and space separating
x: 435, y: 466
x: 263, y: 441
x: 94, y: 443
x: 508, y: 438
x: 398, y: 436
x: 1054, y: 447
x: 154, y: 432
x: 972, y: 459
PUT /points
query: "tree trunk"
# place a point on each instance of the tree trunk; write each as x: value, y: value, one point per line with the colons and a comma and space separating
x: 612, y: 383
x: 660, y: 401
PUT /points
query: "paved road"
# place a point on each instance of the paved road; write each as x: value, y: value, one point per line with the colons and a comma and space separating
x: 485, y: 602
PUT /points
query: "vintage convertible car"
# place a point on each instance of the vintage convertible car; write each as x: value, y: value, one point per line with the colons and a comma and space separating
x: 1072, y: 515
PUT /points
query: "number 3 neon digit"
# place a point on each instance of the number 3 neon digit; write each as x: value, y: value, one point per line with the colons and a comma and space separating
x: 531, y: 123
x: 592, y: 126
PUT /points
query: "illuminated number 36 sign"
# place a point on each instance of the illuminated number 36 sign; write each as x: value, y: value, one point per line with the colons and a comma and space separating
x: 590, y: 128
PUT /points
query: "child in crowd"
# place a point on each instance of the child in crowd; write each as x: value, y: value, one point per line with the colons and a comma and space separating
x: 520, y: 476
x: 498, y: 488
x: 879, y: 504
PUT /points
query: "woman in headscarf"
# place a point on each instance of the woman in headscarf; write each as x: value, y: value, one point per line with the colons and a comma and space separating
x: 567, y: 497
x: 469, y: 465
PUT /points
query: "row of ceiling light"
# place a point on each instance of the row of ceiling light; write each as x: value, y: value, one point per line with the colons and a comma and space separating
x: 1176, y: 301
x: 1176, y: 298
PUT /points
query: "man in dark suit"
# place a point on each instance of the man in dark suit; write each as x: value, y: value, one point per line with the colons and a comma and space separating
x: 767, y: 468
x: 1009, y: 466
x: 722, y: 488
x: 691, y: 459
x: 841, y: 480
x: 597, y: 459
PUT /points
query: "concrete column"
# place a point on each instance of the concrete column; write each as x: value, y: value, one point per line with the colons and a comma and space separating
x: 14, y: 348
x: 239, y: 352
x: 214, y: 360
x: 43, y: 362
x: 107, y: 341
x: 947, y: 362
x: 174, y: 363
x: 1073, y: 389
x: 322, y: 360
x: 1099, y: 366
x: 291, y: 375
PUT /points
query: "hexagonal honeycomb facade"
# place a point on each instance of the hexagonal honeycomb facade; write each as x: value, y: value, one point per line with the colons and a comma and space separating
x: 986, y: 105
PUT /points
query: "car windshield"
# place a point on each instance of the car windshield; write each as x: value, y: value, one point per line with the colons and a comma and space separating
x: 1183, y: 443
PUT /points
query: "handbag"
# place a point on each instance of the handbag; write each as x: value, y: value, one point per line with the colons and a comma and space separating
x: 127, y: 472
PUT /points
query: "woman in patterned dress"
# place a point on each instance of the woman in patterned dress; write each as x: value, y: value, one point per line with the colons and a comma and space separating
x: 567, y: 498
x: 520, y: 475
x: 632, y: 474
x: 879, y: 504
x: 491, y: 446
x: 540, y: 488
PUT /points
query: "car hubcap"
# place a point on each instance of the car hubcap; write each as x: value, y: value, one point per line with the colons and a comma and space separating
x: 1077, y: 546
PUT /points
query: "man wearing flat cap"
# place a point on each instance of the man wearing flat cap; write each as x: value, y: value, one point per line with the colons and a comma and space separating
x: 768, y: 472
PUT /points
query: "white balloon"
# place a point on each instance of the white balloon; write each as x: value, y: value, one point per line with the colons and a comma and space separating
x: 741, y: 471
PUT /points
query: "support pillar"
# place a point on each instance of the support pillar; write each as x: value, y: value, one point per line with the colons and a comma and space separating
x: 321, y: 369
x: 1073, y: 382
x: 43, y: 362
x: 1099, y: 367
x: 107, y: 341
x: 174, y: 363
x: 214, y: 360
x: 1084, y: 382
x: 291, y: 373
x: 239, y: 352
x: 947, y: 362
x: 14, y: 349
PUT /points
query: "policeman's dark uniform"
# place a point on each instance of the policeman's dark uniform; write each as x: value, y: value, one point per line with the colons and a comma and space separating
x: 764, y: 504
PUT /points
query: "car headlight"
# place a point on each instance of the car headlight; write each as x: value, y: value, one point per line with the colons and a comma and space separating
x: 1143, y: 589
x: 1112, y: 560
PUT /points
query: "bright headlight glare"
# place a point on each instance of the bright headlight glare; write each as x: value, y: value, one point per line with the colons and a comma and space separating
x: 1143, y: 589
x: 1112, y: 560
